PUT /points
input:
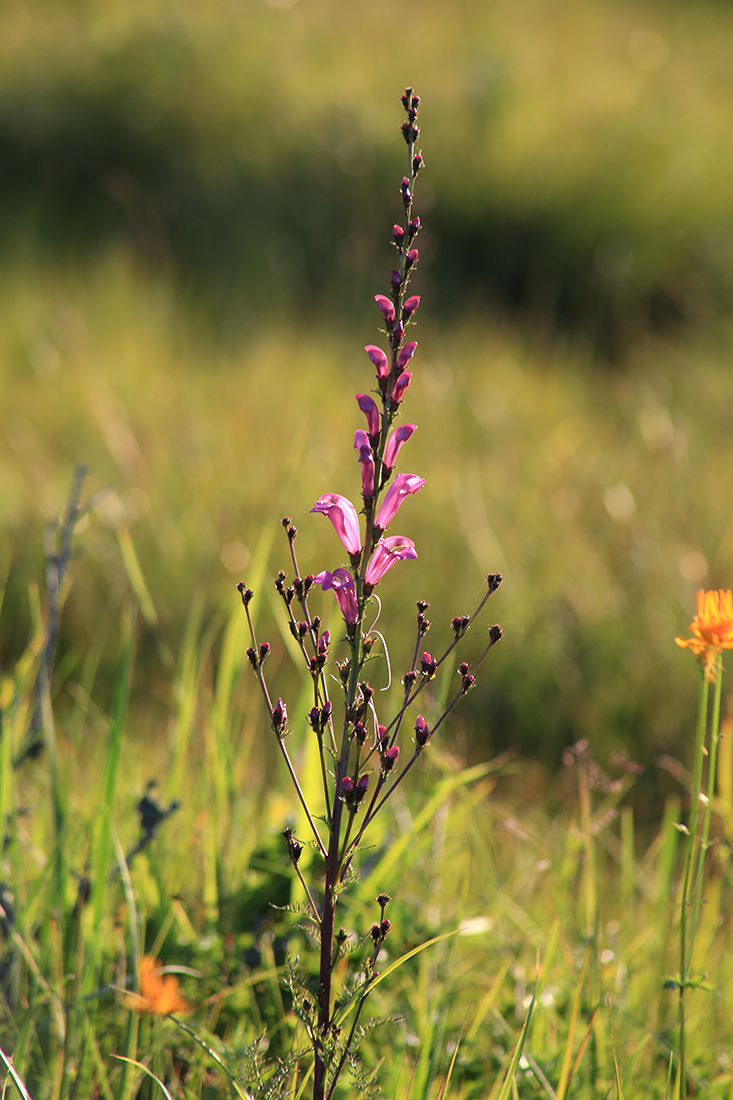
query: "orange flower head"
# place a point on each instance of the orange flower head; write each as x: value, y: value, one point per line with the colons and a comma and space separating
x: 158, y: 991
x: 712, y: 629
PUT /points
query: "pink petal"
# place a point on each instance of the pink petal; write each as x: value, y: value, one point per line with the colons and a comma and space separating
x: 401, y: 385
x: 379, y: 359
x: 394, y: 443
x: 342, y: 515
x: 368, y: 406
x: 342, y: 584
x: 386, y: 307
x: 402, y: 486
x: 405, y: 354
x: 387, y: 553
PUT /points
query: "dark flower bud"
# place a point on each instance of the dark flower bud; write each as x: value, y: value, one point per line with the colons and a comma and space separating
x: 252, y: 657
x: 317, y: 622
x: 289, y: 595
x: 382, y: 737
x: 398, y: 332
x: 494, y: 580
x: 293, y: 627
x: 347, y: 786
x: 341, y: 936
x: 417, y: 163
x: 422, y: 606
x: 384, y: 926
x: 390, y: 758
x: 423, y: 626
x: 428, y: 665
x: 367, y: 692
x: 406, y: 98
x: 360, y: 732
x: 398, y: 234
x: 326, y: 711
x: 412, y: 114
x: 279, y: 715
x: 405, y: 185
x: 409, y: 678
x: 411, y: 258
x: 382, y: 900
x: 344, y: 672
x: 286, y: 521
x: 460, y: 625
x: 395, y: 278
x: 467, y: 683
x: 280, y: 583
x: 376, y: 934
x: 245, y: 593
x: 406, y: 129
x: 410, y: 306
x: 463, y: 668
x: 406, y: 199
x: 298, y: 586
x: 302, y: 630
x: 363, y: 784
x: 414, y: 133
x: 264, y: 652
x: 315, y: 664
x: 367, y: 646
x: 324, y: 642
x: 422, y: 731
x: 414, y: 228
x: 495, y: 632
x: 415, y: 102
x: 314, y: 719
x: 294, y: 849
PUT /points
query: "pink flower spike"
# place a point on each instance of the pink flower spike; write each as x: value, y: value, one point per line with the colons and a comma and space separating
x: 379, y: 359
x: 394, y: 443
x: 368, y: 406
x: 401, y: 385
x: 402, y: 486
x: 410, y: 306
x: 388, y: 552
x: 342, y: 584
x: 386, y: 307
x: 405, y: 354
x: 342, y: 515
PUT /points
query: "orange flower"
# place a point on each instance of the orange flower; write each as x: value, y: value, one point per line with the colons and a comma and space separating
x: 158, y: 992
x: 712, y: 628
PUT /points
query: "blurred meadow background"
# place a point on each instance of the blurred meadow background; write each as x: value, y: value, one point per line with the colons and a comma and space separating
x: 196, y: 211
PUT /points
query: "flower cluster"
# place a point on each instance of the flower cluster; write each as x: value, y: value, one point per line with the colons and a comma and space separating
x: 360, y: 760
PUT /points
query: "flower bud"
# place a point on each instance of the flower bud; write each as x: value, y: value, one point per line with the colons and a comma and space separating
x: 410, y: 306
x: 422, y: 731
x: 411, y: 258
x: 279, y: 715
x: 389, y: 758
x: 376, y: 354
x: 264, y: 652
x: 405, y: 354
x: 386, y: 307
x: 409, y: 678
x: 252, y: 657
x: 428, y: 665
x: 398, y: 234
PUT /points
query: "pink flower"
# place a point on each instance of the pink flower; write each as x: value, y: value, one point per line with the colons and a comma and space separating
x: 401, y: 385
x: 342, y: 515
x: 366, y: 458
x: 405, y: 354
x: 394, y: 443
x: 387, y: 553
x: 409, y: 307
x: 402, y: 486
x: 342, y: 584
x: 386, y: 307
x: 368, y: 406
x: 361, y: 439
x: 379, y: 359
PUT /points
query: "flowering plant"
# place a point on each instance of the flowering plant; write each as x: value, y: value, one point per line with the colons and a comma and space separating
x: 363, y: 758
